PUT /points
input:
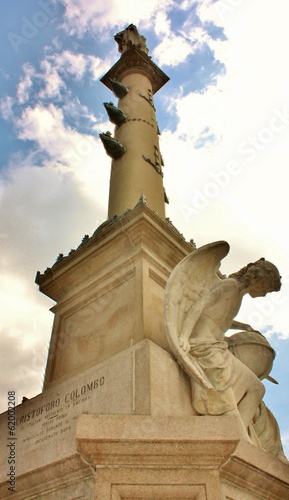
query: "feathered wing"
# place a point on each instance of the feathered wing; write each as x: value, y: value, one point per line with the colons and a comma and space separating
x: 194, y: 276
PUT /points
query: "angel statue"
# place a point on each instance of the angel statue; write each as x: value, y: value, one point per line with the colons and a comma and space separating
x: 200, y: 306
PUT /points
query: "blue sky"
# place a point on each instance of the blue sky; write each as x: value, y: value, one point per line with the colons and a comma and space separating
x: 224, y: 118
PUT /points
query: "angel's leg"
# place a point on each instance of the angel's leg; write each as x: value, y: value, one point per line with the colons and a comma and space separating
x: 249, y: 392
x: 242, y: 428
x: 250, y: 402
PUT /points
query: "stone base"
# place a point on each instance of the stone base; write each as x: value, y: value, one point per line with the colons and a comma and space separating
x: 142, y: 380
x: 125, y: 429
x: 140, y: 457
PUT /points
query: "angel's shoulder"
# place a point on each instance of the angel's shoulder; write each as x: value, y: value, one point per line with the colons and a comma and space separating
x: 228, y: 285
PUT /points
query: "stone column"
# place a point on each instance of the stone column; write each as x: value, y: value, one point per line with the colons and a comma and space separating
x: 138, y: 171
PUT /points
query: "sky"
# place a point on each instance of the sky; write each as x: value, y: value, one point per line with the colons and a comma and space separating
x: 224, y: 121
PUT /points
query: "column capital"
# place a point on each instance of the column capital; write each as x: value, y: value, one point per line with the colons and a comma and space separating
x: 136, y: 60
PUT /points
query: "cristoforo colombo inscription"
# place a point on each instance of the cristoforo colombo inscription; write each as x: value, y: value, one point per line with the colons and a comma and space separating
x: 70, y: 396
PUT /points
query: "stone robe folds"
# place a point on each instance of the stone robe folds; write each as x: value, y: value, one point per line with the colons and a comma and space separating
x: 219, y: 366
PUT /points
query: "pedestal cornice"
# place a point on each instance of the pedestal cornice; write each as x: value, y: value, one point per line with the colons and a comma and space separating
x: 141, y: 225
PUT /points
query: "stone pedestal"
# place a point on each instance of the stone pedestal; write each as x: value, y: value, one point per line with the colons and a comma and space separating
x: 110, y: 292
x: 125, y: 429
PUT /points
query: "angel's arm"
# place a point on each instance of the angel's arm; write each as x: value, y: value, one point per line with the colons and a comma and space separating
x: 237, y: 325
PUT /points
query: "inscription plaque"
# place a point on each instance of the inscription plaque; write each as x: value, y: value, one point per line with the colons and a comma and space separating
x: 45, y: 425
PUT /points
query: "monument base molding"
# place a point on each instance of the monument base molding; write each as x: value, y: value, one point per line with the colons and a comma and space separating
x: 146, y: 457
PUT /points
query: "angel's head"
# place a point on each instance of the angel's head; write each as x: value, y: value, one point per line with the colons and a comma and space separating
x: 259, y: 278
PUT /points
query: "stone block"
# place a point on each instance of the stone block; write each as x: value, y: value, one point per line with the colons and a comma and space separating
x: 143, y: 379
x: 114, y: 283
x: 154, y: 457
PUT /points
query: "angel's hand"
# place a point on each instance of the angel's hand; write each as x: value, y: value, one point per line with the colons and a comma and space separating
x: 250, y: 329
x: 184, y: 343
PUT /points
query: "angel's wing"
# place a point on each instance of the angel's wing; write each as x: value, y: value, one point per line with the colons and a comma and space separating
x: 194, y: 276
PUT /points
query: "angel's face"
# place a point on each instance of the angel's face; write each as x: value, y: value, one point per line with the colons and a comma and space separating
x: 260, y: 288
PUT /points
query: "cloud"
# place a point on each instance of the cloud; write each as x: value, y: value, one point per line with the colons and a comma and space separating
x: 30, y: 360
x: 199, y: 112
x: 162, y: 24
x: 172, y: 50
x: 76, y: 64
x: 82, y: 16
x: 45, y: 126
x: 193, y: 36
x: 255, y: 58
x: 40, y: 124
x: 67, y: 149
x: 97, y: 66
x: 26, y: 83
x: 70, y: 63
x: 52, y: 81
x: 44, y: 206
x: 6, y: 107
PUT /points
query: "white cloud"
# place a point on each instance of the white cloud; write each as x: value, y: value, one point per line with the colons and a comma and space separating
x: 43, y: 125
x: 82, y: 16
x: 71, y: 63
x: 26, y: 83
x: 97, y: 66
x: 162, y: 24
x: 172, y: 50
x: 55, y: 70
x: 199, y: 111
x: 76, y: 65
x: 53, y: 83
x: 69, y: 149
x: 6, y: 105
